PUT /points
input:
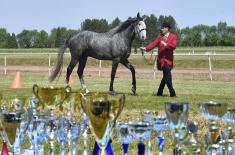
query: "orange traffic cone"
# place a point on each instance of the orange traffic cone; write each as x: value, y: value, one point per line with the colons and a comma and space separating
x: 16, y: 82
x: 71, y: 80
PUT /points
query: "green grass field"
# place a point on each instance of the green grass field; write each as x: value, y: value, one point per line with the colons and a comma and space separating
x: 189, y: 91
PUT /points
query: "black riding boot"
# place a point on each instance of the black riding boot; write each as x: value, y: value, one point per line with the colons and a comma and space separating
x: 161, y: 87
x: 168, y: 79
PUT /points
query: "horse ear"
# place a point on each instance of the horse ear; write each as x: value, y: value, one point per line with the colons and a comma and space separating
x: 138, y: 15
x: 144, y: 19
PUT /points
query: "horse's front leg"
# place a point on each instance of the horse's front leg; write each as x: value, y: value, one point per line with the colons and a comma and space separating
x: 128, y: 65
x: 113, y: 73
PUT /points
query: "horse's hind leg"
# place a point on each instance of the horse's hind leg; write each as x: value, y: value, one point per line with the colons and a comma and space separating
x: 70, y: 68
x: 113, y: 73
x: 128, y: 65
x: 82, y: 64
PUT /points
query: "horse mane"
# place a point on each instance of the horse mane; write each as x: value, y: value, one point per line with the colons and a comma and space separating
x: 122, y: 26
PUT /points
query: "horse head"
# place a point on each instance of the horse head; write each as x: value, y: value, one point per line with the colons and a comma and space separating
x: 140, y: 27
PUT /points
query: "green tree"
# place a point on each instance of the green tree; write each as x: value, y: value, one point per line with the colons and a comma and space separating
x: 115, y: 23
x: 3, y: 37
x: 95, y: 25
x: 42, y: 40
x: 25, y: 39
x: 11, y: 41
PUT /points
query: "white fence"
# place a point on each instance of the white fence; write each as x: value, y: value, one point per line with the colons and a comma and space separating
x: 208, y: 54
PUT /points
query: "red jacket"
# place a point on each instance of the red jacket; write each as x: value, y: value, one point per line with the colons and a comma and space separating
x: 165, y: 53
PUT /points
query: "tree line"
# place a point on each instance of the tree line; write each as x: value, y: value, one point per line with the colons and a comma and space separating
x: 199, y: 35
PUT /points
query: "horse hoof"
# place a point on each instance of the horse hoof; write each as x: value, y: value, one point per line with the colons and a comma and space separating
x: 112, y: 92
x: 87, y: 91
x: 133, y: 91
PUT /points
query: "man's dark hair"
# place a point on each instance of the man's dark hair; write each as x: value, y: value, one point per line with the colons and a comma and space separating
x: 166, y: 24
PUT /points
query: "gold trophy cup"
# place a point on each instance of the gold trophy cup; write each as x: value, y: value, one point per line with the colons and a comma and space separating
x: 51, y: 100
x: 102, y: 110
x: 10, y: 119
x: 51, y: 97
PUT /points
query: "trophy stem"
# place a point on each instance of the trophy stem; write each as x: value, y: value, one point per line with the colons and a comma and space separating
x: 85, y: 138
x: 149, y: 146
x: 160, y: 139
x: 177, y: 150
x: 102, y: 150
x: 51, y: 146
x: 71, y: 144
x: 62, y: 149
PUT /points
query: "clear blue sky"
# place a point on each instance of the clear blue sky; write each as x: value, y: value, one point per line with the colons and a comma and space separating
x: 16, y: 15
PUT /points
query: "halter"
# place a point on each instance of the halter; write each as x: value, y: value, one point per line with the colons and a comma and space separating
x: 137, y: 31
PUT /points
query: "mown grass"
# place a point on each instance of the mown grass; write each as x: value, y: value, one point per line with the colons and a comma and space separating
x: 189, y: 91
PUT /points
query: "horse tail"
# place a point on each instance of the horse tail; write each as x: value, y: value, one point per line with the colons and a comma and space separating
x: 59, y: 64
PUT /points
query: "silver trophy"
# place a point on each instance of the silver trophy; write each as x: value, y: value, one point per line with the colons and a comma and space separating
x: 140, y: 131
x: 124, y: 136
x: 192, y: 144
x: 213, y: 111
x: 160, y: 125
x: 177, y: 116
x: 227, y: 137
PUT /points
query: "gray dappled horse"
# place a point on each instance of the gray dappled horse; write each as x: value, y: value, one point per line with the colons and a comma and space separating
x: 113, y: 45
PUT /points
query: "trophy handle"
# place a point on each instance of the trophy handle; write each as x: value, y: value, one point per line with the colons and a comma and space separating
x: 122, y: 101
x: 68, y: 90
x: 35, y: 90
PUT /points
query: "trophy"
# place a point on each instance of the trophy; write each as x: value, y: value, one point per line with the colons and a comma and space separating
x: 213, y: 111
x: 160, y: 124
x: 192, y: 145
x: 62, y: 134
x: 123, y: 136
x: 36, y: 128
x: 102, y: 111
x: 228, y: 135
x: 177, y: 115
x: 140, y: 131
x: 51, y: 99
x: 74, y: 131
x: 12, y: 130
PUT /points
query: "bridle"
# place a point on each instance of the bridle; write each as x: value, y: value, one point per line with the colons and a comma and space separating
x: 137, y: 31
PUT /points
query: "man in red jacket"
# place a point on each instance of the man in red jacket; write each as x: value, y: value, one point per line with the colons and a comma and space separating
x: 166, y: 43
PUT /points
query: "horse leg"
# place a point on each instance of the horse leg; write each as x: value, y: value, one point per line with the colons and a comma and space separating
x: 113, y: 73
x: 128, y: 65
x: 82, y: 64
x: 70, y: 68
